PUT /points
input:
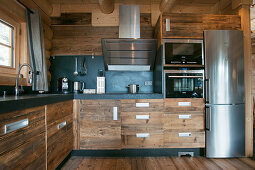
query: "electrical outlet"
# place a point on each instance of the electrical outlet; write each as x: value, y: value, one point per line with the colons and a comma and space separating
x: 148, y: 83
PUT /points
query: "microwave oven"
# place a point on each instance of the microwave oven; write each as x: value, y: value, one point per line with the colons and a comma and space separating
x: 183, y: 52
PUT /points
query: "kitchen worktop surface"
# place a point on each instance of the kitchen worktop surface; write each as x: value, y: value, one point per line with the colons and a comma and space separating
x: 117, y: 96
x: 12, y: 103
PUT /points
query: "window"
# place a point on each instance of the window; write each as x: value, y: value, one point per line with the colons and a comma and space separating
x: 6, y: 44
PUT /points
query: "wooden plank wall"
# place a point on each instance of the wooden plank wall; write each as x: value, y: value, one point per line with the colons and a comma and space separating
x: 253, y: 79
x: 75, y: 35
x: 193, y: 25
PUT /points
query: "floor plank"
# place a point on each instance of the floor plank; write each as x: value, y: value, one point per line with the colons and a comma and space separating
x: 156, y: 163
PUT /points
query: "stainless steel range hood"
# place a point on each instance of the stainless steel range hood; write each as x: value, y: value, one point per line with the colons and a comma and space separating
x: 129, y: 54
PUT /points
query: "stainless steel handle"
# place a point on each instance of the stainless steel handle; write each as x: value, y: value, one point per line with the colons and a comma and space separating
x: 188, y: 134
x: 185, y: 76
x: 185, y: 116
x: 142, y: 105
x: 61, y: 125
x: 167, y: 24
x: 142, y: 135
x: 208, y: 117
x: 142, y: 117
x: 115, y: 113
x: 15, y: 126
x: 207, y: 90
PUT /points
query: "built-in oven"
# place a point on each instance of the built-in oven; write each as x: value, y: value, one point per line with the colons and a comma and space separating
x: 184, y: 83
x: 183, y: 52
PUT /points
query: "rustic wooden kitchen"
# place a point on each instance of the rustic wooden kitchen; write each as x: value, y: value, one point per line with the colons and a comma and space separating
x: 115, y: 84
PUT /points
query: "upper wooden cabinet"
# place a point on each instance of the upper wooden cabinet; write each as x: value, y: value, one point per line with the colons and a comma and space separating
x: 192, y: 25
x: 22, y: 139
x: 59, y: 118
x: 100, y: 125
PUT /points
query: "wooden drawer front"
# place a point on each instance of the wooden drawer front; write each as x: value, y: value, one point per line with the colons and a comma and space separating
x: 23, y: 148
x: 184, y: 139
x: 100, y: 135
x: 142, y: 140
x: 176, y: 105
x: 142, y: 105
x: 58, y: 110
x: 99, y: 110
x: 184, y: 121
x: 141, y: 118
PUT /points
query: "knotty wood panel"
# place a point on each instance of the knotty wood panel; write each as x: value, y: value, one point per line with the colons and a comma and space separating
x: 172, y: 122
x: 155, y: 140
x: 171, y: 105
x: 72, y: 19
x: 23, y: 148
x: 59, y: 141
x: 98, y: 130
x: 196, y: 140
x: 193, y: 25
x: 155, y: 105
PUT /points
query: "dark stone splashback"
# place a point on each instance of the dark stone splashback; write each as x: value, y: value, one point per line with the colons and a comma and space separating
x: 116, y: 81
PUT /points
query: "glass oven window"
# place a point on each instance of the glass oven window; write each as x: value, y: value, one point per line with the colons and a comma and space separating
x: 184, y: 85
x: 183, y: 53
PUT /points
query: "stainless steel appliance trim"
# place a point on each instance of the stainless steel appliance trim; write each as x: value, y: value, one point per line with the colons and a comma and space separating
x: 208, y: 117
x: 185, y: 76
x: 183, y: 41
x: 115, y: 113
x: 15, y: 126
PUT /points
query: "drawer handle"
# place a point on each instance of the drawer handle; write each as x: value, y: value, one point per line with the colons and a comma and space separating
x: 142, y: 117
x: 115, y: 113
x: 184, y: 134
x: 61, y: 125
x: 184, y: 103
x: 142, y: 135
x: 15, y: 126
x: 142, y: 104
x: 184, y: 116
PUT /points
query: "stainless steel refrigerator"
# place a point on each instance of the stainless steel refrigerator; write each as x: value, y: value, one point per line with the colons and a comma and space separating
x: 224, y: 93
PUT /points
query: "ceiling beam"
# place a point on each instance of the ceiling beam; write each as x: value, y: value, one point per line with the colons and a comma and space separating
x: 166, y: 5
x: 106, y: 6
x: 238, y: 3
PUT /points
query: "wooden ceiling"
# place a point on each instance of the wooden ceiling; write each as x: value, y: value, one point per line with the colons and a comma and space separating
x: 145, y: 2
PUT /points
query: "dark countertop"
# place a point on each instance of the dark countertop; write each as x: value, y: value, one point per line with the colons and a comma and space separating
x: 119, y: 96
x: 12, y: 103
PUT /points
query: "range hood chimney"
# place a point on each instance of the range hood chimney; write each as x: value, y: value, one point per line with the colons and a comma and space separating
x: 129, y: 21
x: 129, y: 53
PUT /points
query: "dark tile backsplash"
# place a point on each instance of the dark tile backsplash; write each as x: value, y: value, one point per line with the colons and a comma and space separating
x: 116, y: 81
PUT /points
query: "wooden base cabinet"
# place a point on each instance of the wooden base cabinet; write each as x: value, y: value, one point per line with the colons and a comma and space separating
x: 22, y: 139
x: 59, y: 118
x: 184, y: 123
x: 100, y: 125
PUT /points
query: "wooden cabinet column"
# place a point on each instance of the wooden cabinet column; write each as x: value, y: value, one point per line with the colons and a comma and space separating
x: 244, y: 12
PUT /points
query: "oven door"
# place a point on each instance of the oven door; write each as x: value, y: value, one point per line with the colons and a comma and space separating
x: 184, y: 84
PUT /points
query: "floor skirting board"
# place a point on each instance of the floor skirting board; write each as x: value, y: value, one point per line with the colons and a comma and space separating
x: 137, y: 152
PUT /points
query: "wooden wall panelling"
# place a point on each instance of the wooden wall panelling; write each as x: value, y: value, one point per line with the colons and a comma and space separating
x: 158, y: 31
x: 83, y: 19
x: 192, y: 25
x: 24, y: 148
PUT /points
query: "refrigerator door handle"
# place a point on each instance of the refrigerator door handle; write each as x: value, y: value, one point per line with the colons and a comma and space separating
x: 208, y: 117
x: 207, y: 90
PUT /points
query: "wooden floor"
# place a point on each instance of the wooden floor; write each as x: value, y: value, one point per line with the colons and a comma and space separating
x: 152, y: 163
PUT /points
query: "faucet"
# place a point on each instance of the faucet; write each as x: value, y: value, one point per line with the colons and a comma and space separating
x: 17, y: 78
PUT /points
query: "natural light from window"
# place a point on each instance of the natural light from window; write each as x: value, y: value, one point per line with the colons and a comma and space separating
x: 6, y: 45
